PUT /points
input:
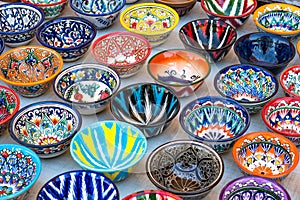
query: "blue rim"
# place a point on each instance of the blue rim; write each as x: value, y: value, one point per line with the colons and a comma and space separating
x: 2, y: 45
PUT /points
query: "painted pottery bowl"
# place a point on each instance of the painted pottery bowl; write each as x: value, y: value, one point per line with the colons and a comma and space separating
x: 265, y: 50
x: 215, y: 121
x: 206, y: 36
x: 179, y: 167
x: 88, y: 87
x: 79, y: 184
x: 2, y: 45
x: 265, y: 154
x: 46, y: 127
x: 123, y: 51
x: 101, y: 13
x: 182, y: 7
x: 29, y: 70
x: 249, y: 85
x: 252, y: 188
x: 71, y: 37
x: 19, y: 170
x: 19, y: 22
x: 148, y: 106
x: 111, y: 147
x: 181, y: 70
x: 290, y: 81
x: 152, y: 195
x: 154, y: 21
x: 234, y: 13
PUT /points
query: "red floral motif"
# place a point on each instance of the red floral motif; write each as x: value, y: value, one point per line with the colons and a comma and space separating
x: 78, y: 97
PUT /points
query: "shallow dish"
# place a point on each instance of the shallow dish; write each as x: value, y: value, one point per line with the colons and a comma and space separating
x: 152, y: 195
x: 182, y: 7
x: 290, y: 81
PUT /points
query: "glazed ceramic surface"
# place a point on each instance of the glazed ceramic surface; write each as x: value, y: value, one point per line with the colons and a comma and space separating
x: 152, y: 195
x: 46, y: 127
x: 183, y: 71
x: 88, y: 87
x: 216, y: 121
x: 123, y: 51
x: 2, y: 45
x: 30, y: 69
x: 290, y: 80
x: 249, y: 85
x: 148, y: 106
x: 80, y: 184
x: 111, y: 147
x: 152, y: 20
x: 19, y: 170
x: 212, y: 37
x: 189, y: 169
x: 182, y: 7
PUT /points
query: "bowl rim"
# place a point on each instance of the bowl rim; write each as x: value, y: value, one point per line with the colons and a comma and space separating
x: 132, y: 196
x: 44, y: 4
x: 265, y: 133
x: 116, y: 34
x: 17, y: 104
x: 284, y: 72
x: 177, y: 50
x: 34, y: 157
x: 176, y: 4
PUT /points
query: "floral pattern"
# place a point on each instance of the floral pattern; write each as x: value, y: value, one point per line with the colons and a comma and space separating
x: 290, y: 80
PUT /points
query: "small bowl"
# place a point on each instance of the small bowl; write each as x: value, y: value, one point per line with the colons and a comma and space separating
x: 234, y: 13
x: 182, y: 7
x: 179, y: 167
x: 207, y: 36
x: 45, y: 127
x: 102, y: 14
x: 19, y: 28
x: 148, y: 106
x: 88, y: 87
x: 71, y: 37
x: 181, y: 70
x: 265, y: 50
x: 249, y: 85
x: 253, y: 187
x: 290, y: 82
x: 20, y: 168
x: 123, y: 51
x: 152, y: 195
x: 154, y: 21
x: 265, y: 154
x: 215, y: 121
x: 29, y: 70
x: 111, y: 147
x: 81, y: 184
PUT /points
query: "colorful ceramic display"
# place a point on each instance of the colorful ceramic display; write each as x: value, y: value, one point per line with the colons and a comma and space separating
x: 207, y: 36
x: 152, y: 195
x: 148, y: 106
x: 123, y: 51
x: 182, y: 7
x: 110, y: 147
x: 154, y: 21
x: 290, y: 81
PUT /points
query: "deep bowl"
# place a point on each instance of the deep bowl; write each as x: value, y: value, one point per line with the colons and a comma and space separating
x: 181, y: 70
x: 207, y: 36
x: 71, y: 37
x: 111, y: 147
x: 249, y: 85
x: 29, y: 70
x: 148, y: 106
x: 216, y: 121
x: 152, y: 195
x: 123, y: 51
x: 189, y: 169
x: 182, y: 7
x: 290, y: 81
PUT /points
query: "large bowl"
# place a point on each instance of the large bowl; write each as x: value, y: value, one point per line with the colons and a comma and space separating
x: 290, y: 81
x: 148, y: 106
x: 111, y: 147
x: 152, y: 195
x: 182, y: 7
x: 29, y: 70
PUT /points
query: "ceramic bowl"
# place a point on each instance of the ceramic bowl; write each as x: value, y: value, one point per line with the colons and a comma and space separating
x: 152, y: 195
x: 79, y: 184
x: 249, y: 85
x: 181, y: 70
x: 88, y: 87
x: 253, y: 187
x: 189, y: 169
x: 71, y: 37
x: 182, y: 7
x: 111, y: 147
x: 29, y: 70
x: 101, y: 13
x: 216, y: 121
x: 123, y: 51
x: 154, y: 21
x: 19, y: 22
x: 265, y: 50
x: 148, y: 106
x: 290, y: 81
x: 265, y: 154
x: 234, y: 13
x: 46, y: 127
x: 206, y: 36
x: 19, y: 170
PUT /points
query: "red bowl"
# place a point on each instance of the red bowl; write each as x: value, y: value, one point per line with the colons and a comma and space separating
x: 289, y: 81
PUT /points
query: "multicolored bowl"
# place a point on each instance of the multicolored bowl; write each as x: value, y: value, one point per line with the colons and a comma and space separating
x: 111, y: 147
x: 182, y: 7
x: 290, y: 81
x: 152, y: 195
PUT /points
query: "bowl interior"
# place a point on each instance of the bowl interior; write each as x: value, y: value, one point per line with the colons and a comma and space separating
x: 289, y: 80
x: 94, y: 7
x: 9, y: 104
